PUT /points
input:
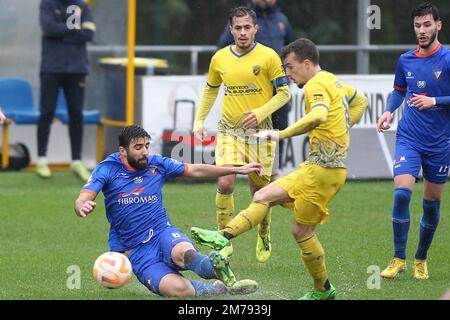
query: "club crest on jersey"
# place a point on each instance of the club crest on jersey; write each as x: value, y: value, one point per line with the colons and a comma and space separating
x: 138, y: 180
x: 153, y: 170
x: 437, y: 74
x: 256, y: 70
x: 421, y: 84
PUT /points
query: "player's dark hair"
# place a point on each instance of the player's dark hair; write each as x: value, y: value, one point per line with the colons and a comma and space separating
x: 131, y: 133
x: 240, y: 12
x: 303, y: 49
x: 424, y: 9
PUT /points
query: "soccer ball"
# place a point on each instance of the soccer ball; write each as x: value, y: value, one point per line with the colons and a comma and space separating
x: 112, y: 270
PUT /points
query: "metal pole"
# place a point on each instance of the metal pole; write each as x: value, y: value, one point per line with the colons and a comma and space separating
x: 130, y: 67
x: 194, y: 62
x: 363, y: 38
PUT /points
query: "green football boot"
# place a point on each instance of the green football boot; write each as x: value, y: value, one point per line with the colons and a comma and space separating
x: 209, y: 238
x: 320, y: 295
x: 222, y: 268
x: 263, y: 248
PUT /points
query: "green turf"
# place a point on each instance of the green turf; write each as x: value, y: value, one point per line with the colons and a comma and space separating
x: 41, y: 238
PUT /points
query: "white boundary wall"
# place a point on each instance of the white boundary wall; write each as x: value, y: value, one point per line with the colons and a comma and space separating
x: 370, y: 154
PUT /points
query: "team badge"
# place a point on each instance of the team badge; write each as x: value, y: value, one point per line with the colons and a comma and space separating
x: 138, y: 180
x: 152, y: 170
x: 256, y: 70
x: 437, y: 74
x: 421, y: 84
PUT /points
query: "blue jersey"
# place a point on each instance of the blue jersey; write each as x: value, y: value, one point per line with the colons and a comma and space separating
x: 133, y: 199
x: 428, y: 130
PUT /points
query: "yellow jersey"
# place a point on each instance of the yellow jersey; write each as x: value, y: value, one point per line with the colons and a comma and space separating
x: 329, y: 141
x: 249, y: 82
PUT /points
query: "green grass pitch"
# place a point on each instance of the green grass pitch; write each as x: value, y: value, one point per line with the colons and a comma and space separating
x: 41, y: 238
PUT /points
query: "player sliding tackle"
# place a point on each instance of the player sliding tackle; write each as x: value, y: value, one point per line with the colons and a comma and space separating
x: 132, y: 182
x: 331, y: 109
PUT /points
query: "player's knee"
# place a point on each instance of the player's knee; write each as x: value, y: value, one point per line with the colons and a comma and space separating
x: 261, y: 196
x: 264, y: 196
x: 225, y: 186
x: 302, y: 231
x: 179, y: 252
x: 402, y: 195
x: 176, y: 286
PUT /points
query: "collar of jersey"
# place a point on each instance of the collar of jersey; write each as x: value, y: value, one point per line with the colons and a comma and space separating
x: 416, y: 52
x: 129, y: 168
x: 243, y: 54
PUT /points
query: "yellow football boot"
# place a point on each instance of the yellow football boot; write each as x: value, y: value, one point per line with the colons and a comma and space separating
x: 395, y: 267
x: 420, y: 269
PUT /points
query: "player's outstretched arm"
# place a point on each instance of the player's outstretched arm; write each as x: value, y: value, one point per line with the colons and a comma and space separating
x: 311, y: 120
x: 85, y: 204
x: 211, y: 171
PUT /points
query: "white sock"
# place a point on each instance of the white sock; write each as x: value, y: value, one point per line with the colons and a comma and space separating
x: 75, y: 162
x: 42, y: 160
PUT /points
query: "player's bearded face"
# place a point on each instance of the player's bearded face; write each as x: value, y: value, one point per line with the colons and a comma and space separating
x: 432, y: 38
x: 426, y: 30
x: 137, y: 154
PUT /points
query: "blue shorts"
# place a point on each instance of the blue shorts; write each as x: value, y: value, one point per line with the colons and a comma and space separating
x: 151, y: 261
x: 409, y: 160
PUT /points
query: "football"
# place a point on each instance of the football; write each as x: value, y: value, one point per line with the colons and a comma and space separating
x: 112, y: 270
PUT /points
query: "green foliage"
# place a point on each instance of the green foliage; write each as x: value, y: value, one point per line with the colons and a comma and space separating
x: 200, y: 22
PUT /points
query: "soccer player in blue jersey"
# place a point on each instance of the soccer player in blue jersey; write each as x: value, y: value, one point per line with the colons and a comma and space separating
x: 422, y: 79
x: 132, y: 182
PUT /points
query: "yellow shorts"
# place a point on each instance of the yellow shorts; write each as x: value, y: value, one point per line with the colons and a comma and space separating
x: 312, y: 187
x: 230, y: 151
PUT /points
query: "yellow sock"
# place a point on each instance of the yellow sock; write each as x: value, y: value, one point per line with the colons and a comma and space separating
x: 314, y: 259
x: 264, y: 225
x: 224, y: 209
x: 247, y: 219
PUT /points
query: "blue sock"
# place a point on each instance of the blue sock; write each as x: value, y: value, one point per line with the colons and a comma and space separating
x: 428, y: 226
x: 400, y: 221
x: 206, y: 289
x: 200, y: 264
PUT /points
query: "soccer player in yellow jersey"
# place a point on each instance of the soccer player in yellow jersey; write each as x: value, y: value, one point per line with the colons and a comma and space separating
x: 255, y: 86
x: 332, y: 108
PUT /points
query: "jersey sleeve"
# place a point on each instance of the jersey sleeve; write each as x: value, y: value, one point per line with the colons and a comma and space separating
x: 275, y: 70
x: 316, y: 95
x: 350, y: 92
x: 214, y: 79
x: 400, y: 79
x: 173, y: 168
x: 97, y: 180
x: 357, y: 104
